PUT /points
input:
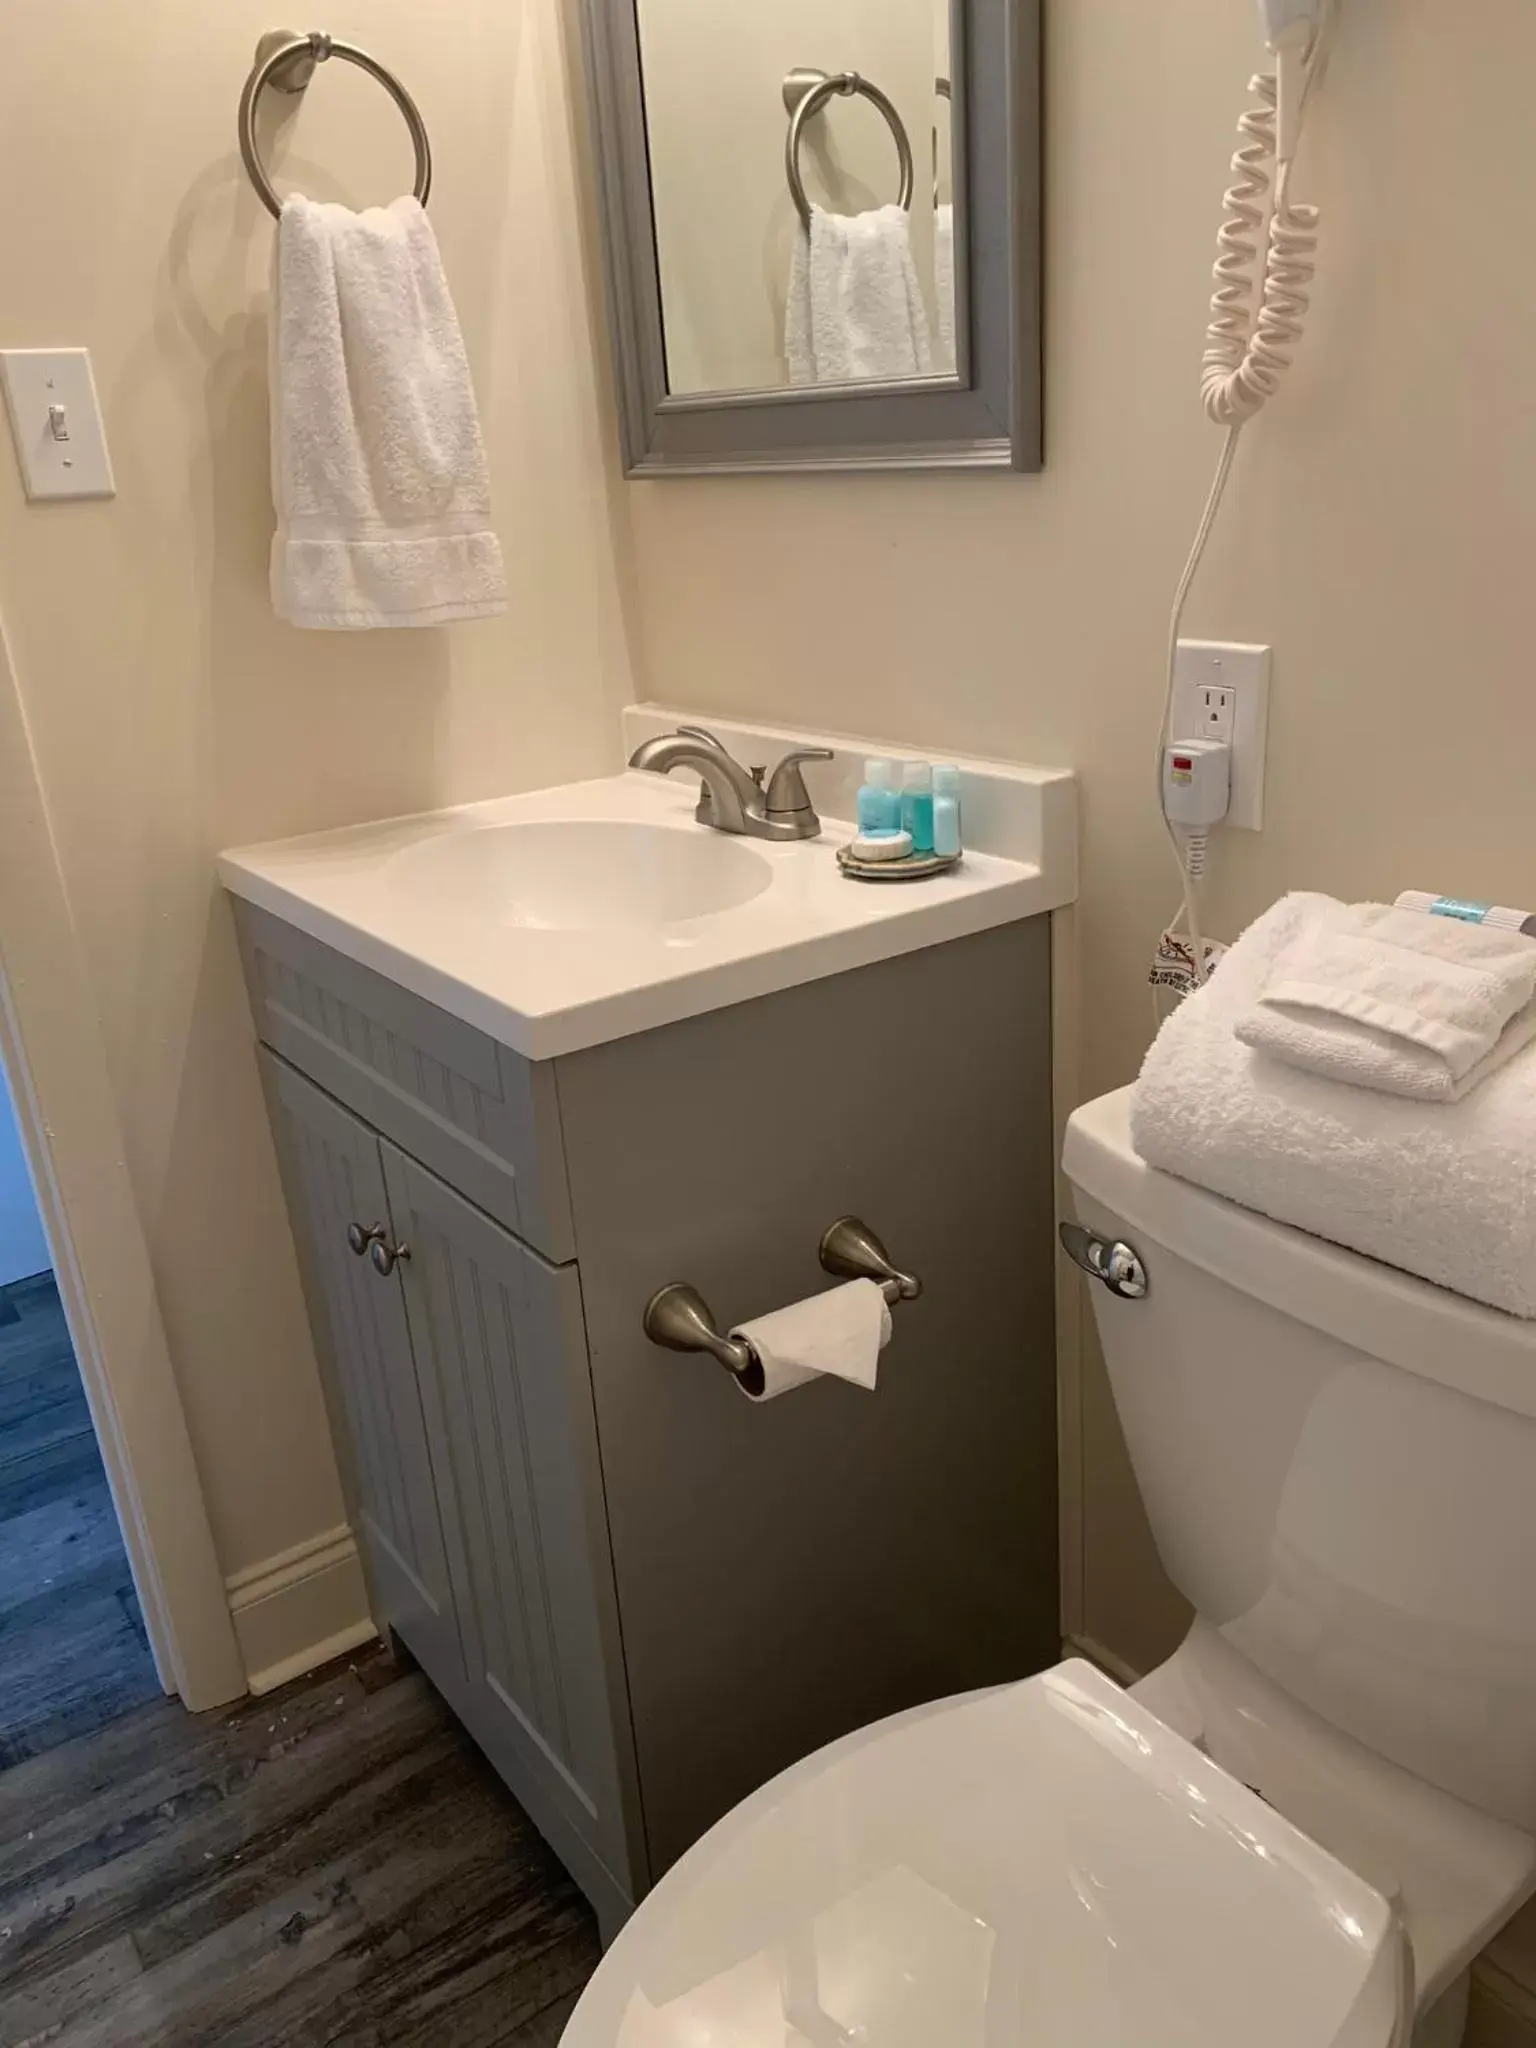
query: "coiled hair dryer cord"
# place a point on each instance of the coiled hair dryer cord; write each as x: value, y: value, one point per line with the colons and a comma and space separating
x: 1245, y: 359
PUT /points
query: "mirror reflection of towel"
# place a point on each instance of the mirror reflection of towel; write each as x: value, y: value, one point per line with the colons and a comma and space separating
x: 855, y: 311
x: 945, y: 358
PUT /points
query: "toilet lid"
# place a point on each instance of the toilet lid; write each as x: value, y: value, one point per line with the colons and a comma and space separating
x: 1044, y: 1865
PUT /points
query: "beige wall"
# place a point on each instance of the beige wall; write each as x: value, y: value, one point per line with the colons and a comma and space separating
x: 725, y: 220
x: 1380, y: 532
x: 172, y: 714
x: 1380, y: 537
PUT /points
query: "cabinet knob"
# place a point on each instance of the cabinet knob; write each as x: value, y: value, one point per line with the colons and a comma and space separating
x: 359, y: 1239
x: 386, y: 1256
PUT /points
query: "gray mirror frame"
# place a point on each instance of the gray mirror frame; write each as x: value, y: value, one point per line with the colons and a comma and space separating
x: 989, y: 417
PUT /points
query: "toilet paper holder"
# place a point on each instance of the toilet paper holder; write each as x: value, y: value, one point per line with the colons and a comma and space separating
x: 680, y: 1319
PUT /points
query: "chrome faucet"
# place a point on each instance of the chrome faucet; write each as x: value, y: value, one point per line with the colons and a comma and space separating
x: 733, y: 798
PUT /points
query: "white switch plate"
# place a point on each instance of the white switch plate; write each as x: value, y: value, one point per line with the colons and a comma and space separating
x: 56, y: 423
x: 1221, y: 691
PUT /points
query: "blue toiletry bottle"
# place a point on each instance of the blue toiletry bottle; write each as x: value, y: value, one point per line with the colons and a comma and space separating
x: 946, y: 808
x: 917, y: 805
x: 879, y: 805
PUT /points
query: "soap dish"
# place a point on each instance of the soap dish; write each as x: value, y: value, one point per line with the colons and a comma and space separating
x: 916, y: 867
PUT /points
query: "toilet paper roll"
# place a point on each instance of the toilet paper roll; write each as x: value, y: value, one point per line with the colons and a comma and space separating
x: 840, y: 1334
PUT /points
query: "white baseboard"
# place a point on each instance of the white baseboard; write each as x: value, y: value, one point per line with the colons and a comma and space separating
x: 294, y: 1611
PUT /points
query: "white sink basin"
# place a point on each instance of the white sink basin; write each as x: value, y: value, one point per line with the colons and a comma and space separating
x: 583, y: 874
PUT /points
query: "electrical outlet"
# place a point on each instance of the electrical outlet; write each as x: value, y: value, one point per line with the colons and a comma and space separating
x: 1217, y: 707
x: 1221, y: 692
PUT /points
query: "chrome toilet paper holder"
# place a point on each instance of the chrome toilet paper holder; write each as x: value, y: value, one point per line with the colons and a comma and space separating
x: 678, y: 1317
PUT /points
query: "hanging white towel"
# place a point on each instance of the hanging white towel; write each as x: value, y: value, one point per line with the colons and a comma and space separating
x: 378, y: 469
x: 945, y: 358
x: 855, y: 311
x: 1420, y: 1006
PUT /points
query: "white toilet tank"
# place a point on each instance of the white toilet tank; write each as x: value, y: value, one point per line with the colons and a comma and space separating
x: 1339, y: 1463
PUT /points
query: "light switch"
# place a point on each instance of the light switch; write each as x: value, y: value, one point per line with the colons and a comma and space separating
x: 56, y: 423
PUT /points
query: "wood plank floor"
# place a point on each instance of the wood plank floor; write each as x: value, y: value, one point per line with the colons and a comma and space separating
x: 73, y: 1653
x: 334, y: 1863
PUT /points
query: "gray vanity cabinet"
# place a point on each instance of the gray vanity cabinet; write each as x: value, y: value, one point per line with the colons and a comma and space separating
x: 642, y: 1593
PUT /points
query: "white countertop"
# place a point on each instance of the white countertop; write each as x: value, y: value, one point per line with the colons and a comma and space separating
x: 546, y: 992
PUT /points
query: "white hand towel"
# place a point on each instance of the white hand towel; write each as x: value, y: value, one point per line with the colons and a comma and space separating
x: 378, y: 471
x: 841, y: 1333
x: 855, y: 310
x: 945, y: 358
x: 1419, y: 1006
x: 1448, y: 1193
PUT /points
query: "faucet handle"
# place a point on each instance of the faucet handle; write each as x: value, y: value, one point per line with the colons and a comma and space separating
x: 787, y: 792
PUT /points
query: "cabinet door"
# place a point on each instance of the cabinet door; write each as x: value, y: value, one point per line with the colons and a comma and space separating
x: 336, y: 1179
x: 501, y: 1349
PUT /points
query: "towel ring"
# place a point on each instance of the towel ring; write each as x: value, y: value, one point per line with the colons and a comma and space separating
x: 287, y: 61
x: 811, y: 101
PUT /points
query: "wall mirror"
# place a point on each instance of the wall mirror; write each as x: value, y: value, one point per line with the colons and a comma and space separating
x: 822, y: 231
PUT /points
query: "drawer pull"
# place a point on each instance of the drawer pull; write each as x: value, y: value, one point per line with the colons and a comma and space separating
x: 386, y: 1256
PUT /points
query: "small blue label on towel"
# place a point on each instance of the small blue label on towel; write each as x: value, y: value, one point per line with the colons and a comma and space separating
x: 1451, y: 906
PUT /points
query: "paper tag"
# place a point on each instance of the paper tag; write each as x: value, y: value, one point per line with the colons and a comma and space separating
x: 1174, y: 963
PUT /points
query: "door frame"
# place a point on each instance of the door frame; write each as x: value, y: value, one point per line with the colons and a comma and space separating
x: 54, y: 1054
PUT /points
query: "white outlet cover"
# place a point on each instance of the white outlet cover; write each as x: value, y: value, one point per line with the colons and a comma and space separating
x: 1211, y: 664
x: 73, y: 463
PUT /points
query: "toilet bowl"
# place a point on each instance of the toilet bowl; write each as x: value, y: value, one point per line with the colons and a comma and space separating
x: 1299, y: 1830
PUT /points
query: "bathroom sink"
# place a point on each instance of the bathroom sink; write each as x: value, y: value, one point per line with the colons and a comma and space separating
x: 583, y: 874
x: 564, y: 918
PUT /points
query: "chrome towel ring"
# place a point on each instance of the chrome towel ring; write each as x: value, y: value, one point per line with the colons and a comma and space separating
x: 812, y: 97
x: 287, y: 61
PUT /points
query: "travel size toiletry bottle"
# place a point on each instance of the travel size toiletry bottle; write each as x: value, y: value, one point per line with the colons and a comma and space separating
x: 917, y: 805
x: 946, y: 808
x: 879, y: 805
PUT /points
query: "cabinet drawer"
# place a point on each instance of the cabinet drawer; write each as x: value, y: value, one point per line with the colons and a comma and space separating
x: 484, y: 1118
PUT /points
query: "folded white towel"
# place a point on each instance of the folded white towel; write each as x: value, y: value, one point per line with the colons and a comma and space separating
x: 1448, y: 1192
x: 855, y: 310
x: 378, y: 471
x: 1390, y: 999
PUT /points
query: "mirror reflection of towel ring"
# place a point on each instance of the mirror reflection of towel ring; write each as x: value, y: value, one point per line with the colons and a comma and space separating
x: 843, y: 84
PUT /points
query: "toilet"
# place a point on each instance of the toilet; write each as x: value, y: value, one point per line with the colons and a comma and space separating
x: 1296, y: 1833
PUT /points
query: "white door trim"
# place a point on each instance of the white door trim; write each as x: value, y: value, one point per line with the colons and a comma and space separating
x: 52, y: 1047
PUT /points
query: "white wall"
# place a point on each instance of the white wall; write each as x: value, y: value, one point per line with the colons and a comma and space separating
x: 172, y: 713
x: 725, y: 221
x: 23, y: 1247
x: 1380, y: 529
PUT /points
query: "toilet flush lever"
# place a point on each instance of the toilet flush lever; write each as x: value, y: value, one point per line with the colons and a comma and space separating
x: 1115, y: 1262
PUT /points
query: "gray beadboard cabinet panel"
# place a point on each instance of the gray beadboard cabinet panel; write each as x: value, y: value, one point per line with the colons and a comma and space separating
x: 500, y: 1343
x: 471, y: 1110
x: 334, y: 1164
x: 790, y: 1571
x: 642, y: 1593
